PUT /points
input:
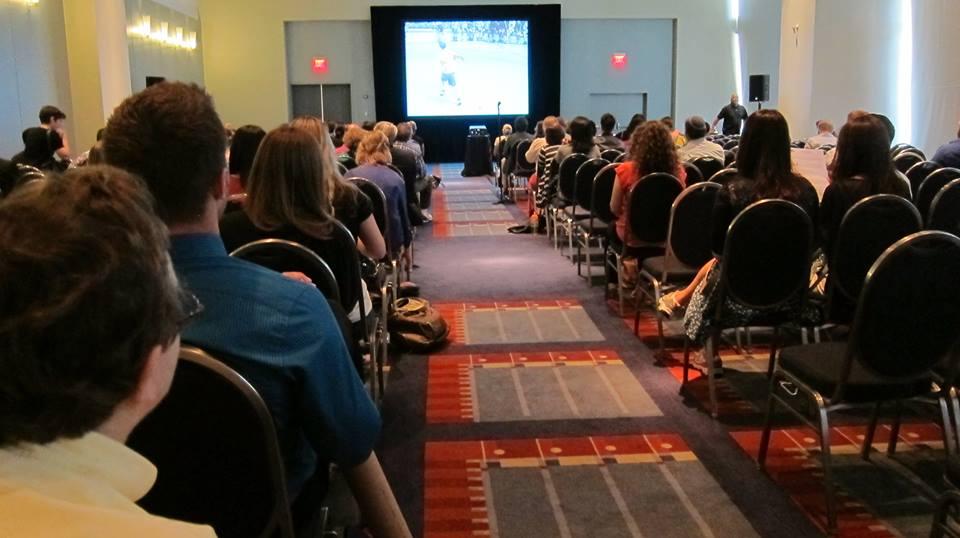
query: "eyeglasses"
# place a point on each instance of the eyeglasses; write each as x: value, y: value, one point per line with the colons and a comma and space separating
x: 190, y: 306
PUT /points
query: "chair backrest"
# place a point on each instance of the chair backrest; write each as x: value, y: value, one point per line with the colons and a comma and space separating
x: 286, y: 256
x: 729, y: 157
x: 622, y: 158
x: 905, y: 160
x: 919, y: 172
x: 708, y: 166
x: 866, y: 231
x: 342, y: 168
x: 766, y: 256
x: 603, y: 192
x: 380, y: 208
x: 724, y: 176
x: 690, y: 219
x: 523, y: 167
x: 568, y: 175
x: 907, y: 317
x: 611, y: 154
x: 648, y: 207
x: 931, y: 186
x: 902, y: 148
x: 584, y: 180
x: 213, y: 441
x: 730, y: 144
x: 945, y: 209
x: 694, y: 175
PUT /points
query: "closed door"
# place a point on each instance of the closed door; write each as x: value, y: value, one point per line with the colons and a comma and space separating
x: 328, y: 101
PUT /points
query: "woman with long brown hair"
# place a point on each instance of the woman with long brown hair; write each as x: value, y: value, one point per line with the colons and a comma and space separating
x: 765, y: 171
x: 350, y: 206
x: 863, y: 167
x: 287, y: 198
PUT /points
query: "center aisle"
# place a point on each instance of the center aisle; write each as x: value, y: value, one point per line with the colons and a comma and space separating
x: 544, y: 415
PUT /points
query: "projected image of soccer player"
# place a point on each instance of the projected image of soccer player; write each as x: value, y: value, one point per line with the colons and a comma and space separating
x: 448, y: 70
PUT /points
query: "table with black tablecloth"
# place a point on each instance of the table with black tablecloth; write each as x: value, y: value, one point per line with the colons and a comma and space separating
x: 477, y: 157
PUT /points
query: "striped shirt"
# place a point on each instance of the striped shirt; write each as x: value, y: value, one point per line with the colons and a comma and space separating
x: 546, y: 187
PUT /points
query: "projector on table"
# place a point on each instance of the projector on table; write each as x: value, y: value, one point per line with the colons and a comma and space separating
x: 477, y: 130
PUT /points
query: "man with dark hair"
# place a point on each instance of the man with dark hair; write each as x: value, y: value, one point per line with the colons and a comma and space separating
x: 53, y: 120
x: 88, y: 347
x: 423, y: 187
x: 278, y: 333
x: 697, y: 145
x: 606, y: 139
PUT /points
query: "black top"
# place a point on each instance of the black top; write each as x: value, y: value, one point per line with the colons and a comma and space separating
x: 406, y: 161
x: 739, y: 193
x: 608, y: 142
x: 732, y: 116
x: 236, y: 230
x: 838, y: 198
x: 352, y: 207
x: 39, y: 145
x: 510, y: 148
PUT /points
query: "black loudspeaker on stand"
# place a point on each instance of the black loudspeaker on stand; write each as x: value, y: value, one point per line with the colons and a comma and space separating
x: 759, y: 89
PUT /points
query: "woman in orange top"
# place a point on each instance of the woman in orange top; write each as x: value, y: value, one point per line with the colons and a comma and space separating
x: 651, y: 150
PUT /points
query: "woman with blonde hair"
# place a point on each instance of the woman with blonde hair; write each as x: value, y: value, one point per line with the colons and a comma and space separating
x: 373, y: 156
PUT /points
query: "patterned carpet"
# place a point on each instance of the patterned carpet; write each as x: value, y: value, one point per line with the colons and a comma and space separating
x: 545, y: 416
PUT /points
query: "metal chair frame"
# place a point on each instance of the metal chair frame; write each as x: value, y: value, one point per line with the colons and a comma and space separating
x: 836, y: 402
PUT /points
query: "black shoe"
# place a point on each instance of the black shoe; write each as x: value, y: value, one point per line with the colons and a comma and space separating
x: 520, y: 229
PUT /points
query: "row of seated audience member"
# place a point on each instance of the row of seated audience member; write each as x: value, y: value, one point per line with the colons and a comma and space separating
x: 859, y: 165
x: 134, y: 259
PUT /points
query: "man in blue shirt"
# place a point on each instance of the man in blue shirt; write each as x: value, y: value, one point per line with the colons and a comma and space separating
x: 949, y: 153
x: 278, y: 333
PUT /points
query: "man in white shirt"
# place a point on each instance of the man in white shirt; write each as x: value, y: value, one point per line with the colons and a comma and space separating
x: 824, y: 137
x: 697, y: 145
x: 541, y: 141
x: 88, y: 347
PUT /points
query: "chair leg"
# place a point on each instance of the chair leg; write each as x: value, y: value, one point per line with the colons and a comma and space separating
x: 871, y: 430
x: 895, y: 429
x: 955, y: 417
x: 774, y: 344
x: 948, y: 431
x: 589, y: 261
x: 619, y: 286
x: 827, y: 465
x: 710, y: 349
x: 686, y: 361
x: 767, y: 423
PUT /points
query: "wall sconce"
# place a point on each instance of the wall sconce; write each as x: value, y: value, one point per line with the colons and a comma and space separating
x: 161, y: 34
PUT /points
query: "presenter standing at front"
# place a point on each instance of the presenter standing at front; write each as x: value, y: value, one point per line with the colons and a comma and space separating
x: 733, y: 116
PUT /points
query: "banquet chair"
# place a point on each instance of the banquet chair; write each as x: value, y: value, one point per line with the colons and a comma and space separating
x: 708, y: 166
x: 919, y: 172
x: 579, y: 210
x: 905, y: 325
x: 945, y: 209
x: 688, y: 249
x: 931, y: 187
x: 647, y: 221
x: 213, y: 439
x: 765, y: 267
x: 694, y: 175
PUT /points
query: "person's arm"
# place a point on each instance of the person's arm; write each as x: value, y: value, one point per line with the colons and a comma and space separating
x: 64, y: 151
x: 713, y: 126
x: 371, y: 241
x: 533, y: 152
x: 616, y: 199
x: 375, y: 498
x: 340, y: 421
